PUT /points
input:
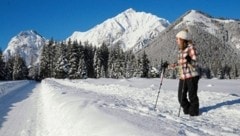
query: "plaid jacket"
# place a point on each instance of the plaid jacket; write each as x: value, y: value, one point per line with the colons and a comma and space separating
x: 187, y: 63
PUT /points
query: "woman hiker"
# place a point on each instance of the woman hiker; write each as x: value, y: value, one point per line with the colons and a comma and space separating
x: 188, y: 74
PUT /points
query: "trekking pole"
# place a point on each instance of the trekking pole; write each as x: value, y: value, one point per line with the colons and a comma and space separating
x: 163, y: 66
x: 162, y: 73
x: 181, y: 99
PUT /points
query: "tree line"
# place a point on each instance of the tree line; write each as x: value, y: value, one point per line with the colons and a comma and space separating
x: 77, y: 60
x: 13, y: 69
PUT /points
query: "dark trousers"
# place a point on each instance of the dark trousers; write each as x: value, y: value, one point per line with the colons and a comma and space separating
x: 189, y: 104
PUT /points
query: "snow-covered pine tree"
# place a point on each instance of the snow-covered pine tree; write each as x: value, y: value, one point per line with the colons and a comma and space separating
x: 73, y: 60
x: 154, y: 69
x: 2, y: 65
x: 68, y: 53
x: 44, y: 69
x: 9, y: 68
x: 46, y: 60
x: 81, y: 71
x: 82, y: 68
x: 110, y: 63
x: 20, y: 70
x: 97, y: 64
x: 145, y: 65
x: 116, y: 62
x: 62, y: 66
x: 88, y: 59
x: 130, y: 64
x: 103, y: 72
x: 138, y: 70
x: 33, y: 72
x: 104, y: 56
x: 52, y: 58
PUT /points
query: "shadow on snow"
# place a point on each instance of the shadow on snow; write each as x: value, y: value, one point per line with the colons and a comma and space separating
x: 7, y: 102
x: 219, y: 105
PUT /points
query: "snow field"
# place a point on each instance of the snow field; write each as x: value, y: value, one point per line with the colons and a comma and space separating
x: 133, y: 101
x: 123, y: 107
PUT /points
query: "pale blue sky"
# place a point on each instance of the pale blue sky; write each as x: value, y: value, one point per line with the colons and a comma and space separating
x: 60, y: 18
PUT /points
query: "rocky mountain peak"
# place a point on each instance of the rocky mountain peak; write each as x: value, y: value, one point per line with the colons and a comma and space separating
x: 129, y: 29
x: 27, y: 44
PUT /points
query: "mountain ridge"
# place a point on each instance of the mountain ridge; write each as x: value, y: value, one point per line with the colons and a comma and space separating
x: 127, y: 28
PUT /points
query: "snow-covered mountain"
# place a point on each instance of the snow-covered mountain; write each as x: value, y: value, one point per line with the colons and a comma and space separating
x: 135, y: 30
x: 129, y: 29
x: 27, y: 44
x: 225, y: 29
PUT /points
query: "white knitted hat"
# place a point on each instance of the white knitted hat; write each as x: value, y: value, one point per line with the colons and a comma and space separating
x: 184, y: 35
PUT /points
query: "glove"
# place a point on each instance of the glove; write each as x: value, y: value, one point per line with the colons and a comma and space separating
x: 188, y: 58
x: 164, y: 65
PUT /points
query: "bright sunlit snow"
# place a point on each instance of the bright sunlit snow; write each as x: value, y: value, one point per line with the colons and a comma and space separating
x: 128, y: 29
x: 123, y: 107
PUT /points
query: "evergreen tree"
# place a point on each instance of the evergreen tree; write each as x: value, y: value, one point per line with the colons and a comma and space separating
x: 33, y: 72
x: 103, y: 72
x: 20, y: 70
x: 104, y: 56
x: 68, y: 53
x: 130, y: 64
x: 44, y: 69
x: 145, y: 65
x: 116, y: 62
x: 88, y: 60
x: 138, y: 70
x: 111, y: 63
x: 2, y: 65
x: 73, y: 60
x: 53, y: 59
x: 82, y: 67
x: 97, y: 64
x: 47, y: 60
x: 62, y: 66
x: 9, y: 69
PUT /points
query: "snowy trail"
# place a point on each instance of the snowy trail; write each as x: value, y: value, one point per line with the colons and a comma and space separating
x: 18, y: 112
